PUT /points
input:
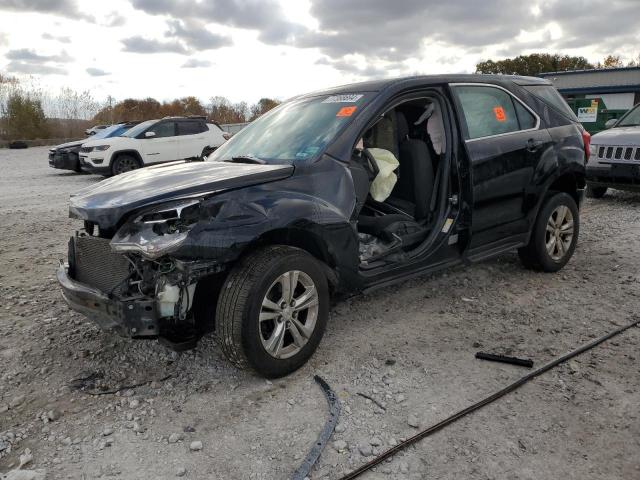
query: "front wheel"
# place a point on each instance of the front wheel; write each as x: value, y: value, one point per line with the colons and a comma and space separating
x: 124, y: 163
x: 272, y: 310
x: 554, y: 236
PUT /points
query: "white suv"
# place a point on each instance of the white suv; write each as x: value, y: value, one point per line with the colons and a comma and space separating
x: 151, y: 142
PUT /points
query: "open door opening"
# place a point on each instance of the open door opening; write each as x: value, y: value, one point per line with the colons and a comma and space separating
x: 399, y: 171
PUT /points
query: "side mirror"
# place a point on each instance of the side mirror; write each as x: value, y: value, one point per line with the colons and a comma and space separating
x: 610, y: 123
x: 149, y: 134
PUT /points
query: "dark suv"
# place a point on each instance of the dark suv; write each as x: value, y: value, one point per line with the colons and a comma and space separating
x: 331, y: 193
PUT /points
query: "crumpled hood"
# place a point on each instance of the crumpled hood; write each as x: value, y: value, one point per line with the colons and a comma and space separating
x: 108, y: 201
x: 75, y: 143
x: 622, y: 136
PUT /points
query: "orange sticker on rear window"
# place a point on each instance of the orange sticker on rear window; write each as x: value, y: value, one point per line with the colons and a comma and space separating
x: 499, y: 113
x: 346, y: 111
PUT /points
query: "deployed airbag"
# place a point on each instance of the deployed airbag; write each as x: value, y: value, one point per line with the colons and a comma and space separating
x: 385, y: 180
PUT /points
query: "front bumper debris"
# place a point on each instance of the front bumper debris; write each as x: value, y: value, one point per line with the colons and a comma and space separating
x: 64, y: 161
x: 128, y: 317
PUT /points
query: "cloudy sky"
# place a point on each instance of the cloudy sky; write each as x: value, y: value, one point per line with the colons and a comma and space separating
x: 247, y: 49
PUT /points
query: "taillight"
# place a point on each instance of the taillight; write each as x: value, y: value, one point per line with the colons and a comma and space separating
x: 586, y: 139
x: 226, y: 136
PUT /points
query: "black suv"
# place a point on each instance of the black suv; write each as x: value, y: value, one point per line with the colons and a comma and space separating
x: 331, y: 193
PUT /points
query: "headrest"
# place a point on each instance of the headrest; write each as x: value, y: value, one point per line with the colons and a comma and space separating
x: 428, y: 111
x: 402, y: 126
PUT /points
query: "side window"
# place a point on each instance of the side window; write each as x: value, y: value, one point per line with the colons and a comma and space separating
x: 164, y: 129
x: 190, y: 128
x: 525, y: 117
x: 488, y: 111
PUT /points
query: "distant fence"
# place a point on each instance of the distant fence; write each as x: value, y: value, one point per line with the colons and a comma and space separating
x: 233, y: 128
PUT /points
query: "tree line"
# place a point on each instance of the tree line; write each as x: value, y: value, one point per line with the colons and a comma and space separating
x: 28, y: 112
x: 218, y: 109
x: 537, y: 63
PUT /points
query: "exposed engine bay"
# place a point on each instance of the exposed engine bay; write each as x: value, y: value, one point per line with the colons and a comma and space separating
x: 161, y: 290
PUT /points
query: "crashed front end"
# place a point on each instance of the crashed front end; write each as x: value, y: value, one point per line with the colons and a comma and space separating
x: 127, y: 283
x: 65, y: 157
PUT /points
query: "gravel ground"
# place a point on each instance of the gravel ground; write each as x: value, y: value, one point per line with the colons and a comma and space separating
x: 411, y: 347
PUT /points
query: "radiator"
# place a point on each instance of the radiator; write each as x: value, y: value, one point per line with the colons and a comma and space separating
x: 94, y: 264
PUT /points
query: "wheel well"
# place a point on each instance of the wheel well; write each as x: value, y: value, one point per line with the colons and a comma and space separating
x: 302, y: 239
x: 208, y: 288
x: 133, y: 153
x: 569, y: 183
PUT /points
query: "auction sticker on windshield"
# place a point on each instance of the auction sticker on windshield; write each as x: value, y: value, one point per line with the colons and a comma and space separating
x: 349, y: 98
x: 346, y: 111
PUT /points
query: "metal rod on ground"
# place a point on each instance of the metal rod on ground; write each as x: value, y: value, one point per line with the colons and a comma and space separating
x: 491, y: 398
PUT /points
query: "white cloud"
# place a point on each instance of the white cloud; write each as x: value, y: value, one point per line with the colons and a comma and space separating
x: 280, y: 48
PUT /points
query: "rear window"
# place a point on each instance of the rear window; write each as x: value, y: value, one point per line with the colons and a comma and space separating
x: 190, y: 128
x: 490, y: 111
x: 551, y: 97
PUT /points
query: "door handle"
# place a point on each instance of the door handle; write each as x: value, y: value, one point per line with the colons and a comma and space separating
x: 534, y: 145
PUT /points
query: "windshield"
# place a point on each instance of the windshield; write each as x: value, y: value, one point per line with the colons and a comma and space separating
x: 111, y: 131
x: 138, y: 129
x: 631, y: 118
x: 295, y: 131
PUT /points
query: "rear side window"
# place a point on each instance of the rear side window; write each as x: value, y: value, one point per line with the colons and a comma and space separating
x: 164, y: 129
x: 550, y: 96
x: 190, y: 128
x: 491, y: 111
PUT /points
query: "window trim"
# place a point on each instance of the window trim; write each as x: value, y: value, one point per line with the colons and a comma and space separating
x: 513, y: 96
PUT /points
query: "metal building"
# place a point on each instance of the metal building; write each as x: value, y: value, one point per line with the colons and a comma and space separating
x: 599, y: 94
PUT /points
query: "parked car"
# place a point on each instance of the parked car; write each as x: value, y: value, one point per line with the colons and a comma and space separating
x: 95, y: 129
x: 67, y: 155
x: 151, y: 142
x: 615, y: 156
x: 329, y: 194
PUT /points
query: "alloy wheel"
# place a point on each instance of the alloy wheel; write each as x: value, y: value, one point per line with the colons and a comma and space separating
x: 288, y: 314
x: 125, y: 164
x: 559, y: 232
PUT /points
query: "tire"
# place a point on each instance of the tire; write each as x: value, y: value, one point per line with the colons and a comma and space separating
x: 124, y: 163
x: 596, y: 192
x: 249, y: 314
x: 552, y: 241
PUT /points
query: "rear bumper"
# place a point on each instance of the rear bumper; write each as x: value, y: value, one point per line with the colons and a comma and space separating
x: 129, y: 318
x: 620, y: 174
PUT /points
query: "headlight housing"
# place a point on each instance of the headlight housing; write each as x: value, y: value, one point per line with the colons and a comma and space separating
x: 101, y: 148
x: 157, y: 231
x: 593, y: 150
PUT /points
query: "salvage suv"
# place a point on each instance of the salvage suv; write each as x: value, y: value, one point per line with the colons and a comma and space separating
x: 152, y: 142
x: 332, y: 193
x: 615, y: 156
x: 67, y: 155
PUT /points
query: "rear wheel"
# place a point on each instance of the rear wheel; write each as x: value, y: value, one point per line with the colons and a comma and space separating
x: 124, y: 163
x: 272, y: 310
x: 554, y: 236
x: 596, y: 192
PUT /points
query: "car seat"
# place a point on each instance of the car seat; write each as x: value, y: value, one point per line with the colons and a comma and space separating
x: 412, y: 193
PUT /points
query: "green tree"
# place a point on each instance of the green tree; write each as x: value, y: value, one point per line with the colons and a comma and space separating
x: 262, y: 107
x: 24, y: 118
x: 533, y: 64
